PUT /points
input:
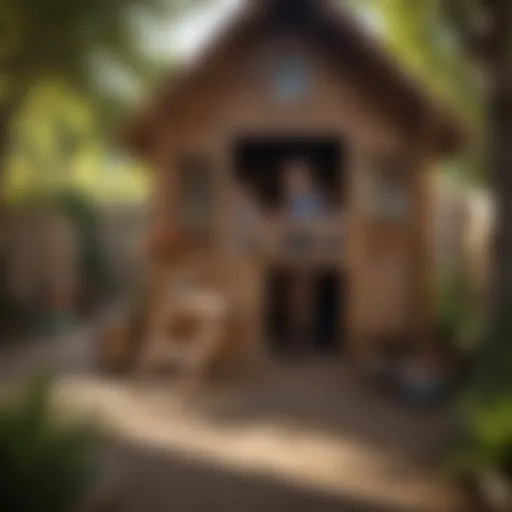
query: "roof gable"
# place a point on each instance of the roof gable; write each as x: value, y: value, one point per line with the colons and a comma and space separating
x: 323, y: 22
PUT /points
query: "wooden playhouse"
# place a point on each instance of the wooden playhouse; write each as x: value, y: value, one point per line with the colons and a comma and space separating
x: 300, y: 79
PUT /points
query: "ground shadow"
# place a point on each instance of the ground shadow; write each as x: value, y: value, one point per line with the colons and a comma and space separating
x: 321, y: 398
x: 163, y: 481
x: 326, y: 397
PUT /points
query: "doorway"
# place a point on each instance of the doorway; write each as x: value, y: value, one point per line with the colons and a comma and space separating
x: 259, y: 162
x: 325, y: 332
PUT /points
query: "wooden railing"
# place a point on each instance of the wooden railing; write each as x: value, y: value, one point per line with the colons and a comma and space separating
x: 287, y: 241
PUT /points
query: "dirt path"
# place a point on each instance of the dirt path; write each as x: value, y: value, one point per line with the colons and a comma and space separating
x: 306, y: 437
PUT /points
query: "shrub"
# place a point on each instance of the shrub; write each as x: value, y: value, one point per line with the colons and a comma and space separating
x: 487, y: 441
x: 458, y: 323
x: 46, y: 463
x: 80, y: 210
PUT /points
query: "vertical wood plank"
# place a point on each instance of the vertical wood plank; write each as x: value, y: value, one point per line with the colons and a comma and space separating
x: 421, y: 231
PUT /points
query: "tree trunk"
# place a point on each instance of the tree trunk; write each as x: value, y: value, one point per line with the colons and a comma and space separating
x: 497, y: 358
x: 500, y: 131
x: 500, y: 161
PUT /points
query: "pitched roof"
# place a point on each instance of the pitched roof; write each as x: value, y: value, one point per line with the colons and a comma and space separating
x: 340, y: 33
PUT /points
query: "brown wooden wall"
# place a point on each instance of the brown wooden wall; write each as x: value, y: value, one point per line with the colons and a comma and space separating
x: 229, y: 98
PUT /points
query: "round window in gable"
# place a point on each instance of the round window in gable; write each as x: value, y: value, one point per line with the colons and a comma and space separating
x: 292, y: 79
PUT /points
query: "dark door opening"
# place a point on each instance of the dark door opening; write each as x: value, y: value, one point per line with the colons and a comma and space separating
x: 259, y: 162
x: 327, y: 311
x: 325, y: 334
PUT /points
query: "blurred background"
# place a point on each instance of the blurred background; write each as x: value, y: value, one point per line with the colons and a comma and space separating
x: 75, y: 206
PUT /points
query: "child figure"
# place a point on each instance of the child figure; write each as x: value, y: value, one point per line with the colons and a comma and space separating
x: 304, y: 203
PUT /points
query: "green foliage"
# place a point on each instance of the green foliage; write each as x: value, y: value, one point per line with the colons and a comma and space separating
x: 57, y: 144
x: 80, y: 209
x: 459, y: 324
x: 47, y: 463
x: 487, y: 442
x: 421, y: 38
x: 57, y: 38
x: 9, y: 307
x: 94, y: 47
x: 493, y: 378
x: 417, y: 32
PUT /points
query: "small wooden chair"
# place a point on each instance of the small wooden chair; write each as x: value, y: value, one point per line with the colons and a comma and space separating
x: 187, y: 332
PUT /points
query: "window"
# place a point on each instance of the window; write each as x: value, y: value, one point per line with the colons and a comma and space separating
x: 195, y: 194
x: 292, y: 78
